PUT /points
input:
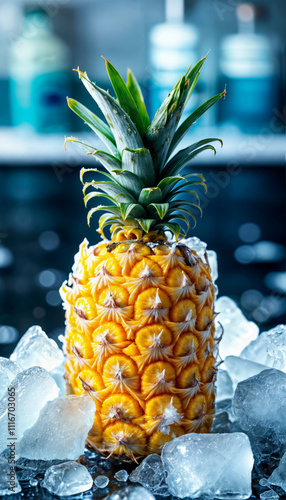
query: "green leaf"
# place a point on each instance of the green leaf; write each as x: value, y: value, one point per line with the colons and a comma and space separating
x: 131, y: 182
x: 94, y: 194
x: 134, y: 208
x: 124, y: 96
x: 108, y: 161
x: 107, y: 217
x: 96, y: 124
x: 113, y: 190
x: 139, y: 161
x: 112, y: 209
x: 150, y: 195
x: 146, y: 224
x: 181, y: 209
x: 168, y: 183
x: 184, y: 161
x: 173, y: 226
x: 184, y: 219
x: 162, y: 129
x: 125, y: 133
x: 183, y: 129
x: 183, y: 157
x: 136, y: 93
x: 161, y: 208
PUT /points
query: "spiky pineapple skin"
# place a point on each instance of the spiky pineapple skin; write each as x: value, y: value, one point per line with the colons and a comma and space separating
x: 140, y: 340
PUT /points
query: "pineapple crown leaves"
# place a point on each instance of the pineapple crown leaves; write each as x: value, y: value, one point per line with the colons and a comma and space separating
x: 144, y: 180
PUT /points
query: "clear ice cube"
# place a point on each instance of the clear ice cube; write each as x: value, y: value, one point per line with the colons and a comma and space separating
x: 269, y: 495
x: 259, y: 405
x: 212, y: 258
x: 218, y: 465
x: 9, y: 484
x: 121, y: 475
x: 196, y: 244
x: 68, y: 478
x: 35, y: 348
x: 132, y: 493
x: 278, y: 476
x: 8, y: 371
x: 238, y: 331
x: 33, y: 388
x: 60, y: 430
x: 269, y: 348
x: 58, y: 376
x: 241, y: 369
x: 150, y: 473
x: 224, y: 387
x: 101, y: 481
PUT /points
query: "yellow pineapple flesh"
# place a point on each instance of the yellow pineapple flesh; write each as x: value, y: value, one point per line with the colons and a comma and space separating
x: 140, y: 340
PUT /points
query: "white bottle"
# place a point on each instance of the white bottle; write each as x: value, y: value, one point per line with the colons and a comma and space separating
x: 39, y: 80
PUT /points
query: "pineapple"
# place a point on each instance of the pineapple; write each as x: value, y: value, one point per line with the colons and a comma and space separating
x: 140, y: 335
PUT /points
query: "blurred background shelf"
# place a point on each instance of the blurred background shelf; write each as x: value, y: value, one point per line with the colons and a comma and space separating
x: 41, y: 149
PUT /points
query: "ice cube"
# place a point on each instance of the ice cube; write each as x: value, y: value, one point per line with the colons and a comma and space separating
x: 224, y: 387
x: 241, y: 369
x: 218, y: 465
x: 9, y: 484
x: 212, y: 258
x: 33, y: 388
x: 101, y: 481
x: 150, y: 473
x: 238, y: 331
x: 259, y: 405
x: 58, y: 376
x: 121, y: 475
x: 60, y: 430
x: 196, y: 244
x: 269, y: 495
x: 36, y: 349
x: 8, y: 371
x: 69, y: 478
x: 33, y: 483
x: 278, y: 476
x: 132, y: 493
x: 269, y: 348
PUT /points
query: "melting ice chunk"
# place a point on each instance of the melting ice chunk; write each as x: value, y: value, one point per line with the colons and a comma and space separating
x: 196, y: 244
x: 121, y: 475
x: 6, y: 475
x: 218, y: 465
x: 58, y: 376
x: 269, y: 495
x: 8, y: 371
x: 69, y: 478
x: 101, y: 481
x: 259, y: 405
x: 278, y: 476
x: 240, y: 369
x: 269, y: 348
x: 150, y: 473
x: 224, y: 387
x: 60, y: 430
x: 238, y: 331
x: 132, y: 493
x: 212, y: 258
x: 33, y: 388
x: 36, y: 349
